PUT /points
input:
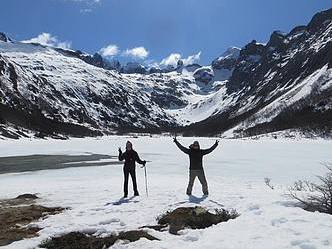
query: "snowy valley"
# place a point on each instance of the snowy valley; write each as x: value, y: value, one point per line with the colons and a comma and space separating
x: 284, y: 84
x: 126, y: 148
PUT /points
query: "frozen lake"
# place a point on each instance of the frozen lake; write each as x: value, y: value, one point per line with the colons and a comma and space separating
x: 281, y: 160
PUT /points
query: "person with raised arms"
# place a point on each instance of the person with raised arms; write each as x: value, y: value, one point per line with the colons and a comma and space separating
x: 196, y: 164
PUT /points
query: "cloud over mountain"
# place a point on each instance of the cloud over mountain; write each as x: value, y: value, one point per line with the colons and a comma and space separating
x: 47, y: 39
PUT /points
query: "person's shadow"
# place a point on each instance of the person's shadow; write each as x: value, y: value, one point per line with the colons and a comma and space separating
x: 197, y: 200
x: 122, y: 201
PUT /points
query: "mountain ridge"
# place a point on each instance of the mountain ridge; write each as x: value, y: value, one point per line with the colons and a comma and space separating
x: 261, y: 88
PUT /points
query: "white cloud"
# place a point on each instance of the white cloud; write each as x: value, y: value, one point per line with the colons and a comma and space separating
x: 86, y: 6
x: 64, y: 45
x: 192, y: 59
x: 138, y: 52
x: 47, y: 39
x: 110, y: 50
x: 173, y: 59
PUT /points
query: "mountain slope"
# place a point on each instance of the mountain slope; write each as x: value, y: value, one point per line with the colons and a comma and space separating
x: 40, y: 81
x: 281, y: 85
x: 55, y: 91
x: 284, y: 84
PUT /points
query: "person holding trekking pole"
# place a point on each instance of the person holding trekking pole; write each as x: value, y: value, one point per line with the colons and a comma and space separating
x: 130, y: 157
x: 196, y: 164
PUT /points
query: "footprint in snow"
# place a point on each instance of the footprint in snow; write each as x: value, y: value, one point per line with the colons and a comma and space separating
x: 277, y: 222
x: 109, y: 221
x: 303, y: 244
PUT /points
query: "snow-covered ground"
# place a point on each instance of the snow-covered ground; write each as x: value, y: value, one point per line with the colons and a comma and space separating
x: 235, y: 173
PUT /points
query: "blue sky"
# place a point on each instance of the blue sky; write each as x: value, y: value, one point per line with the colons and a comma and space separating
x: 152, y: 30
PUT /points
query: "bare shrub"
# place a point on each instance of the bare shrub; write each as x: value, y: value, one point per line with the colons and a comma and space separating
x: 320, y: 197
x: 303, y: 185
x: 268, y: 182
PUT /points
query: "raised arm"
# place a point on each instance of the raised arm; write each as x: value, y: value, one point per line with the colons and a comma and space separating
x: 209, y: 150
x: 137, y: 159
x: 121, y: 157
x: 181, y: 147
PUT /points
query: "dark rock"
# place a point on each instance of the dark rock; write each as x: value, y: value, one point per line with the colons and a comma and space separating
x: 16, y: 214
x: 192, y: 67
x: 277, y: 41
x: 252, y: 48
x: 319, y: 20
x: 158, y: 228
x: 4, y: 37
x: 155, y: 70
x: 77, y: 240
x: 180, y: 63
x: 113, y: 65
x: 194, y: 218
x: 134, y: 67
x: 27, y: 196
x: 204, y: 75
x: 298, y: 29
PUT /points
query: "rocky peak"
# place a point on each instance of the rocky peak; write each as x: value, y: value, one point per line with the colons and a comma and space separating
x: 98, y: 59
x: 227, y: 60
x: 4, y: 37
x: 134, y: 67
x: 252, y: 48
x: 180, y: 63
x: 277, y: 41
x: 297, y: 30
x: 113, y: 64
x: 319, y: 20
x: 231, y: 53
x: 179, y: 66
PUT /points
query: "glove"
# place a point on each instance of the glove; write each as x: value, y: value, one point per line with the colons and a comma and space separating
x: 120, y: 151
x: 217, y: 142
x: 144, y: 162
x: 175, y: 140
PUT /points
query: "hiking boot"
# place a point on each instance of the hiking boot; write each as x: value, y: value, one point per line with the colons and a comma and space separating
x: 188, y: 193
x: 125, y: 195
x: 136, y: 194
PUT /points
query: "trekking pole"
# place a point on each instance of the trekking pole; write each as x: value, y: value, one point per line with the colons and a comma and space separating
x: 146, y: 179
x: 146, y: 182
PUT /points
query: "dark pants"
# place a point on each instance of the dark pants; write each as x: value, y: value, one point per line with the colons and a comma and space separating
x: 126, y: 172
x: 201, y: 177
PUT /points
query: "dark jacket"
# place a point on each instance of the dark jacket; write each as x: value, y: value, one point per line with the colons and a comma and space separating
x: 130, y: 157
x: 196, y: 155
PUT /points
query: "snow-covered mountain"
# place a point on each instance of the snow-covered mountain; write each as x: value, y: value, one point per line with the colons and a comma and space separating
x: 283, y: 84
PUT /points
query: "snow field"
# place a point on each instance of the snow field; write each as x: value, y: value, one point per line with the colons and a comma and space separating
x: 235, y: 172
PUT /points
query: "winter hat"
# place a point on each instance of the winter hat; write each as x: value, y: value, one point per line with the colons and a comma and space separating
x: 195, y: 144
x: 129, y: 144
